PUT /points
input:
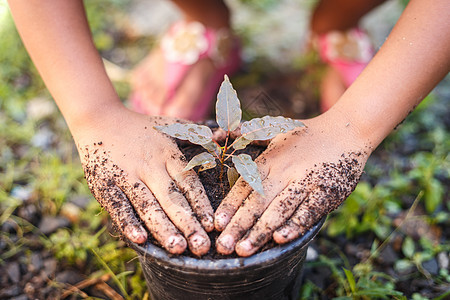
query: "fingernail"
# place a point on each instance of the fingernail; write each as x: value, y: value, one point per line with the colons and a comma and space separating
x: 176, y: 241
x: 246, y: 245
x: 209, y: 218
x: 208, y: 222
x: 137, y: 235
x: 284, y: 232
x: 222, y: 220
x: 226, y: 241
x: 285, y: 235
x: 197, y: 241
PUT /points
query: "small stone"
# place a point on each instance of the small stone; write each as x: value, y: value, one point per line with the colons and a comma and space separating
x: 37, y: 282
x: 35, y: 263
x: 22, y: 193
x: 10, y: 291
x: 26, y: 276
x: 50, y: 265
x: 311, y: 254
x: 29, y: 289
x: 21, y: 297
x: 71, y: 212
x: 69, y: 276
x: 50, y: 224
x: 431, y: 266
x: 29, y: 213
x: 443, y: 260
x: 388, y: 256
x: 80, y: 201
x: 13, y: 271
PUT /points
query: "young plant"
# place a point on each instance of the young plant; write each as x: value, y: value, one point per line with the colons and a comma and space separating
x: 228, y: 116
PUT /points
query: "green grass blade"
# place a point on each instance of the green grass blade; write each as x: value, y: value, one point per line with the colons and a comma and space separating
x: 114, y: 277
x: 351, y: 280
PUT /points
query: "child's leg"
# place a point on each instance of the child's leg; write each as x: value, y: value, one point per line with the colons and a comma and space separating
x: 162, y: 86
x: 211, y: 13
x: 341, y: 16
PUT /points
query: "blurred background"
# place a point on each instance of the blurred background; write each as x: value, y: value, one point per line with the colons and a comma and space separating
x: 390, y: 239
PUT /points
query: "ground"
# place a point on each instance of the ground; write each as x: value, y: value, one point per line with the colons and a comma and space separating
x: 390, y: 239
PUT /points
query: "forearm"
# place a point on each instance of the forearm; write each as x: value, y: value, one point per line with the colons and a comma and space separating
x: 414, y: 58
x: 58, y: 39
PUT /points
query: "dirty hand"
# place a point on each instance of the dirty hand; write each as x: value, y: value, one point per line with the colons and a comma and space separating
x: 306, y: 174
x: 135, y: 173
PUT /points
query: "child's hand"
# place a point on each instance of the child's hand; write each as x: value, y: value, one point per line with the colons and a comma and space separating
x: 306, y: 174
x: 135, y: 173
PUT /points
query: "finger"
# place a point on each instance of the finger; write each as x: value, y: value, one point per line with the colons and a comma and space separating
x: 318, y: 204
x: 178, y: 210
x: 334, y: 183
x: 119, y: 208
x: 192, y: 188
x: 220, y: 135
x: 157, y: 222
x: 240, y: 191
x: 247, y: 214
x: 279, y: 210
x: 231, y: 203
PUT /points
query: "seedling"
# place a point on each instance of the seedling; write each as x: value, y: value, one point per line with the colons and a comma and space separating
x: 228, y: 116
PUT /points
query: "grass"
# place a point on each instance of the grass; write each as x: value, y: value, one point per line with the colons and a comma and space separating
x: 39, y: 168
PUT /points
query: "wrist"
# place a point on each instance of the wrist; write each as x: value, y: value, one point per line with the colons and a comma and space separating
x: 93, y: 116
x: 346, y: 126
x: 368, y: 117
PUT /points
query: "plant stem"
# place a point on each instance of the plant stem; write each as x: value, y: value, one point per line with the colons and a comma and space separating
x: 229, y: 155
x: 236, y: 140
x: 222, y: 160
x: 225, y: 149
x: 217, y: 156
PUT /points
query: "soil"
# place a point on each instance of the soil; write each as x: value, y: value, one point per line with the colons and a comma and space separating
x: 216, y: 189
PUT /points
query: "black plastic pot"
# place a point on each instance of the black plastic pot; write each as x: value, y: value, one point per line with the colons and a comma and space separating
x: 272, y: 274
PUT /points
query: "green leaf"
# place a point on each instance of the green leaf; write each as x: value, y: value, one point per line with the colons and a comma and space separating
x: 249, y: 171
x: 417, y: 296
x: 197, y: 134
x: 380, y: 292
x: 241, y: 143
x: 403, y: 265
x: 212, y: 148
x: 232, y: 176
x: 228, y: 107
x: 433, y: 195
x: 381, y: 230
x: 408, y: 247
x: 420, y: 257
x: 114, y: 277
x: 268, y: 127
x: 351, y: 280
x: 205, y: 160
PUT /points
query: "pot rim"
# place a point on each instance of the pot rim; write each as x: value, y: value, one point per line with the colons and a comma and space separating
x: 156, y: 253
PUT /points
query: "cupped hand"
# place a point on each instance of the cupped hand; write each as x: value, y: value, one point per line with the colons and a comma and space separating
x: 135, y: 173
x: 306, y: 174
